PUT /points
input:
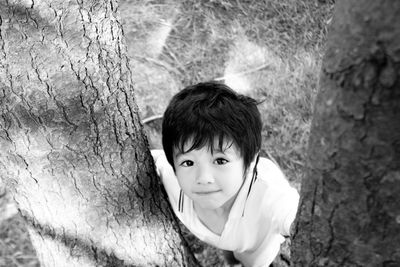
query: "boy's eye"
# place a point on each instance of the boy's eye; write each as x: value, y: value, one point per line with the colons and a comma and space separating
x: 187, y: 163
x: 221, y: 161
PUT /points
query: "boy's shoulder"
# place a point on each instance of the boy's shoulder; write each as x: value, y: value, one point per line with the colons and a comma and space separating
x: 273, y: 187
x: 163, y: 168
x: 269, y: 173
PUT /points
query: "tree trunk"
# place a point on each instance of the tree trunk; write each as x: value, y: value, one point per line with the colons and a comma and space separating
x: 350, y: 209
x: 72, y: 147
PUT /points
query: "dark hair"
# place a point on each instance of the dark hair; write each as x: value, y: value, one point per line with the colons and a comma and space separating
x: 210, y: 110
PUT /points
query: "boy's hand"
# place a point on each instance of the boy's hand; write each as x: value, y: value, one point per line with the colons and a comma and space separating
x: 230, y: 260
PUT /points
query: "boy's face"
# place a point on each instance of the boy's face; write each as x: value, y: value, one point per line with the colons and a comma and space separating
x: 211, y: 180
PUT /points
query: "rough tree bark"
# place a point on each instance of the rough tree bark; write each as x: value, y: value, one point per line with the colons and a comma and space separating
x: 72, y: 148
x: 350, y: 207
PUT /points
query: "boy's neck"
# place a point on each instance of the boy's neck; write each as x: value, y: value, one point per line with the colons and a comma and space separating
x: 222, y: 211
x: 214, y: 219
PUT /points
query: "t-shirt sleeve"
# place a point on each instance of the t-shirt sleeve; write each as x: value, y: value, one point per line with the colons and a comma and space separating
x: 279, y: 208
x: 167, y: 176
x: 283, y: 198
x: 264, y: 254
x: 287, y: 212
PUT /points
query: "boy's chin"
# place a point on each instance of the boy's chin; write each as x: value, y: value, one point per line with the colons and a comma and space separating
x: 208, y: 205
x: 213, y: 205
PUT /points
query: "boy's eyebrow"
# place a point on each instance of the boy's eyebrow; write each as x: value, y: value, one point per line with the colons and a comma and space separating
x: 178, y: 154
x: 222, y: 150
x: 215, y: 150
x: 218, y: 150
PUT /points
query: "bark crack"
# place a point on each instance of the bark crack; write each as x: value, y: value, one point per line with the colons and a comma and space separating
x: 313, y: 205
x: 33, y: 64
x: 2, y: 42
x: 332, y: 228
x: 97, y: 144
x: 76, y: 186
x: 28, y: 15
x: 27, y: 168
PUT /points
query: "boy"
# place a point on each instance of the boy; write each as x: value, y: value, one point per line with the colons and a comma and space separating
x: 218, y: 186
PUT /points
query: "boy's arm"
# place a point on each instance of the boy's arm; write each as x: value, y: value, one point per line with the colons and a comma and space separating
x: 156, y: 153
x: 289, y: 210
x: 286, y: 197
x: 284, y: 213
x: 167, y: 176
x: 163, y: 168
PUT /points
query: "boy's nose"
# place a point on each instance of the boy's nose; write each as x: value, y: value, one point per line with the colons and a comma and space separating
x: 204, y: 176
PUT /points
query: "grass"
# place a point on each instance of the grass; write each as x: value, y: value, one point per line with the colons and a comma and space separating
x: 204, y: 40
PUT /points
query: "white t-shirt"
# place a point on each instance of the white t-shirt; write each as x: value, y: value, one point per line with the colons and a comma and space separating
x: 256, y: 224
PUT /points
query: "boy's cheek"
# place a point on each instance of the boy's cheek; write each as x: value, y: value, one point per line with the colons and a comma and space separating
x: 185, y: 186
x: 180, y: 176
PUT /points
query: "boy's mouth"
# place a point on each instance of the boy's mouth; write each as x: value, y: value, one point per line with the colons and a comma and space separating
x: 202, y: 193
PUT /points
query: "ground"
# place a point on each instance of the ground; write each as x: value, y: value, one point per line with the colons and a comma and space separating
x: 268, y: 49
